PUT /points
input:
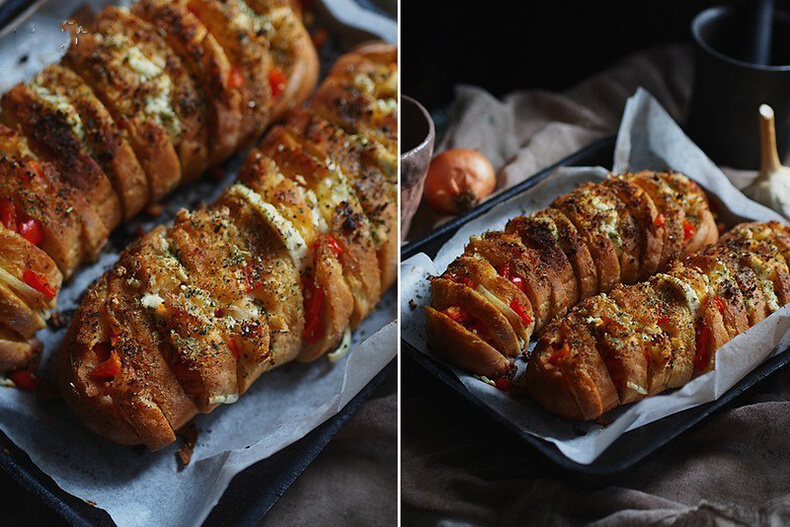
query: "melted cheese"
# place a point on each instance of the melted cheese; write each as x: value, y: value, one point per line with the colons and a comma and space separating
x: 294, y: 243
x: 364, y: 84
x: 152, y: 301
x: 507, y: 311
x: 692, y: 300
x: 224, y: 399
x: 63, y: 105
x: 764, y: 271
x: 606, y: 213
x: 18, y: 285
x: 386, y: 107
x: 343, y: 348
x: 149, y: 70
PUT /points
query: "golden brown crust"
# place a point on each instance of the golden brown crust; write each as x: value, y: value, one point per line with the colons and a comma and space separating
x: 648, y: 232
x: 99, y: 60
x: 595, y: 217
x: 480, y: 275
x: 226, y: 291
x: 342, y: 213
x: 15, y: 351
x: 207, y: 62
x: 52, y: 138
x: 377, y: 192
x: 187, y: 103
x: 463, y: 347
x: 671, y: 213
x: 292, y: 52
x: 248, y: 54
x: 359, y: 96
x: 30, y: 186
x: 105, y: 141
x: 662, y: 333
x: 521, y: 265
x: 539, y: 235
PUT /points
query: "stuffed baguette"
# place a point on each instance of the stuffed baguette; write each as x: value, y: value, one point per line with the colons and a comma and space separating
x: 126, y: 117
x: 639, y: 340
x: 280, y: 268
x: 598, y: 236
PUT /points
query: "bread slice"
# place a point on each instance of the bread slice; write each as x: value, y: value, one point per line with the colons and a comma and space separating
x: 15, y: 350
x: 566, y: 373
x: 596, y: 219
x: 542, y: 236
x: 481, y: 276
x: 342, y: 213
x: 483, y: 318
x: 700, y: 229
x: 617, y: 340
x: 643, y: 306
x: 101, y: 60
x: 251, y: 62
x: 671, y: 214
x: 291, y: 50
x: 272, y: 278
x: 207, y: 62
x: 463, y: 347
x: 186, y: 118
x: 523, y: 267
x: 105, y: 141
x: 72, y: 231
x: 648, y: 233
x: 55, y: 133
x: 375, y: 190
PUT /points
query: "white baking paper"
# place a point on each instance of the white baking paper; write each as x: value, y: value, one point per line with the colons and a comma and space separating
x: 648, y: 139
x: 136, y: 487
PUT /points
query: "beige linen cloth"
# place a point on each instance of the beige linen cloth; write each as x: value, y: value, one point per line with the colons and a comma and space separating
x: 461, y: 468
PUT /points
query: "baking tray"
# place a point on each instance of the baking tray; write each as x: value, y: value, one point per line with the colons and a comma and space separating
x: 632, y: 446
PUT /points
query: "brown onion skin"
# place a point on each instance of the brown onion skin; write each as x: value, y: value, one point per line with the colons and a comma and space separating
x: 458, y: 179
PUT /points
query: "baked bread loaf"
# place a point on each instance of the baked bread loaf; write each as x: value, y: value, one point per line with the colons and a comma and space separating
x: 143, y: 100
x: 639, y: 340
x: 510, y: 284
x: 291, y: 257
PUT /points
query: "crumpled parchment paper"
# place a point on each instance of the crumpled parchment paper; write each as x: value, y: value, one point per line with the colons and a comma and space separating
x: 648, y: 138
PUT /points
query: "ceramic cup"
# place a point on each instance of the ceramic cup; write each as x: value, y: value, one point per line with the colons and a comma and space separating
x: 416, y: 146
x: 729, y: 89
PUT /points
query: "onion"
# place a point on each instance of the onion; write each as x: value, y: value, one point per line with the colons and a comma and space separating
x: 458, y: 180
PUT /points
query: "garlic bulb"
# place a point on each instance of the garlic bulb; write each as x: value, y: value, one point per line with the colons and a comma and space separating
x: 772, y: 186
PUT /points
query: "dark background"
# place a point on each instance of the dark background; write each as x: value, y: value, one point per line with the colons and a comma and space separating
x: 552, y: 45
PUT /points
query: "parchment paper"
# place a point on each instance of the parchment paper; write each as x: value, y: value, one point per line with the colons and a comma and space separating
x: 136, y: 487
x: 648, y: 139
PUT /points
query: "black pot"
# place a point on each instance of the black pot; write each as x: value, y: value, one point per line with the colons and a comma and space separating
x: 729, y: 88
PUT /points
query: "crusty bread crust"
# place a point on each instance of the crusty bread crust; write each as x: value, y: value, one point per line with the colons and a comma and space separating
x: 594, y: 239
x: 278, y: 269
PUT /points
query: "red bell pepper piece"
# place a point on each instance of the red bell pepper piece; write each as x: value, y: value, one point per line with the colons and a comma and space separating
x: 37, y: 282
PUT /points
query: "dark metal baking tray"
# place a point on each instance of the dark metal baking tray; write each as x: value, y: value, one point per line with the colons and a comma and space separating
x: 633, y: 446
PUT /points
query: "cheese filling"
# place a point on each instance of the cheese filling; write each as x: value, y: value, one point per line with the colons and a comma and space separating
x: 294, y: 243
x: 515, y: 321
x: 63, y: 105
x: 692, y: 300
x: 151, y: 71
x: 606, y: 214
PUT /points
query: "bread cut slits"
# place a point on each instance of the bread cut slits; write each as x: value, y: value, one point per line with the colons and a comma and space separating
x: 144, y: 99
x: 665, y: 331
x: 590, y: 241
x: 278, y: 269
